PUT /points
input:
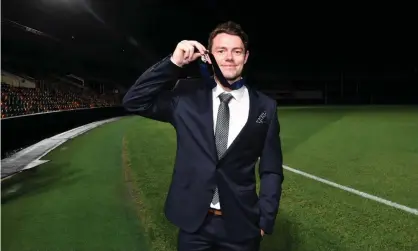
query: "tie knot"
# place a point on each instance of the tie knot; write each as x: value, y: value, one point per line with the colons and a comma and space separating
x: 225, y: 97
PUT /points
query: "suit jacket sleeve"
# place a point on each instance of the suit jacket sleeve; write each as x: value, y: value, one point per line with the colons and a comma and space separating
x: 152, y: 96
x: 271, y: 175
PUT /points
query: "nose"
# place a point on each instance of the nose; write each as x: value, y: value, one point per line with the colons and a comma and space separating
x: 228, y: 56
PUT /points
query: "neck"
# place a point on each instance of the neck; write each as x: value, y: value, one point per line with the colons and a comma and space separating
x: 229, y: 81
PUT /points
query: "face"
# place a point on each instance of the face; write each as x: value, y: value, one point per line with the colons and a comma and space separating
x: 230, y: 55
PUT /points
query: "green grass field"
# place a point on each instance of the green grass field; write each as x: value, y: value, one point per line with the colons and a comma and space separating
x: 105, y: 190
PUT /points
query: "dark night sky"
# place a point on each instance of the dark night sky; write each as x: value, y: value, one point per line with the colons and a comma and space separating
x: 117, y: 40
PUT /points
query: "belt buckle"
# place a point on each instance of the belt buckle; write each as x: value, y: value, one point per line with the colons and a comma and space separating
x: 215, y: 212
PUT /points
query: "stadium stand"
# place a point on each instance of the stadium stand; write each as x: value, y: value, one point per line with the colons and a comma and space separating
x: 20, y: 96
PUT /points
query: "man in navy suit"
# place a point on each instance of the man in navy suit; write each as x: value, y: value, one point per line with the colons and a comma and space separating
x: 222, y: 132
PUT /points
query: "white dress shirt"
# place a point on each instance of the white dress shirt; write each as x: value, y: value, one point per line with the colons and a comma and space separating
x: 239, y: 107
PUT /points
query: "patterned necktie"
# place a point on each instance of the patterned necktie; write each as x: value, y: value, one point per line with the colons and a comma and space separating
x: 221, y: 132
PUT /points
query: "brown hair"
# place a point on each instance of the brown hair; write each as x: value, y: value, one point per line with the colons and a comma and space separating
x: 230, y: 28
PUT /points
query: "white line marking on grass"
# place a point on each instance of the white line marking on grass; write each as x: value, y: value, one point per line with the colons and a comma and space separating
x: 351, y: 190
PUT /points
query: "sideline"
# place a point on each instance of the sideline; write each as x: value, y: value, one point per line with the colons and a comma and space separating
x: 351, y: 190
x: 30, y: 157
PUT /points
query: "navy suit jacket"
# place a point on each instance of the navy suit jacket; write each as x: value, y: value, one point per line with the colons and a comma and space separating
x: 197, y: 170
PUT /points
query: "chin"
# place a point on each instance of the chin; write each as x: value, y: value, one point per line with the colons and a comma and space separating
x: 229, y: 75
x: 232, y: 77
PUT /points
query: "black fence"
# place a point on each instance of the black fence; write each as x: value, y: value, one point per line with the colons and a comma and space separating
x: 22, y: 131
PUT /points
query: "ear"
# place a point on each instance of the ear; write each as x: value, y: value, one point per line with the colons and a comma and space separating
x: 246, y: 56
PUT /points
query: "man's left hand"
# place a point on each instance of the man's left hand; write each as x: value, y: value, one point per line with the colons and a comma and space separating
x: 262, y: 232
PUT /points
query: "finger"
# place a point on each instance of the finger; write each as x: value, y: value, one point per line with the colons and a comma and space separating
x: 195, y: 56
x: 186, y: 50
x: 190, y: 52
x: 198, y: 46
x: 208, y: 58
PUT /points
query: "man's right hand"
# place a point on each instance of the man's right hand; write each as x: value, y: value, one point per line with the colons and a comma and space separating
x: 185, y: 52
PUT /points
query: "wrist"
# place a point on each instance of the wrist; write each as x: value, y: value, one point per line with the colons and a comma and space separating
x: 175, y: 62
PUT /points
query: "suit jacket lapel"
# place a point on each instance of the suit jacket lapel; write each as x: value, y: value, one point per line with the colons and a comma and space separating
x: 254, y: 111
x: 207, y: 102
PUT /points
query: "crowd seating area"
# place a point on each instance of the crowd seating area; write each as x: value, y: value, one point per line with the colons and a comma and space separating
x: 16, y: 101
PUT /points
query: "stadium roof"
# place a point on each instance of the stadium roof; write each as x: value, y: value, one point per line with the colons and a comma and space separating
x: 116, y: 40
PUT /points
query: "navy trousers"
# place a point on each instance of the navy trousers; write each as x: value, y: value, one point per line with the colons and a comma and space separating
x: 212, y: 237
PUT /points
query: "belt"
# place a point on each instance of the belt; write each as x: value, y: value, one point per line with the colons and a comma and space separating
x: 215, y: 211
